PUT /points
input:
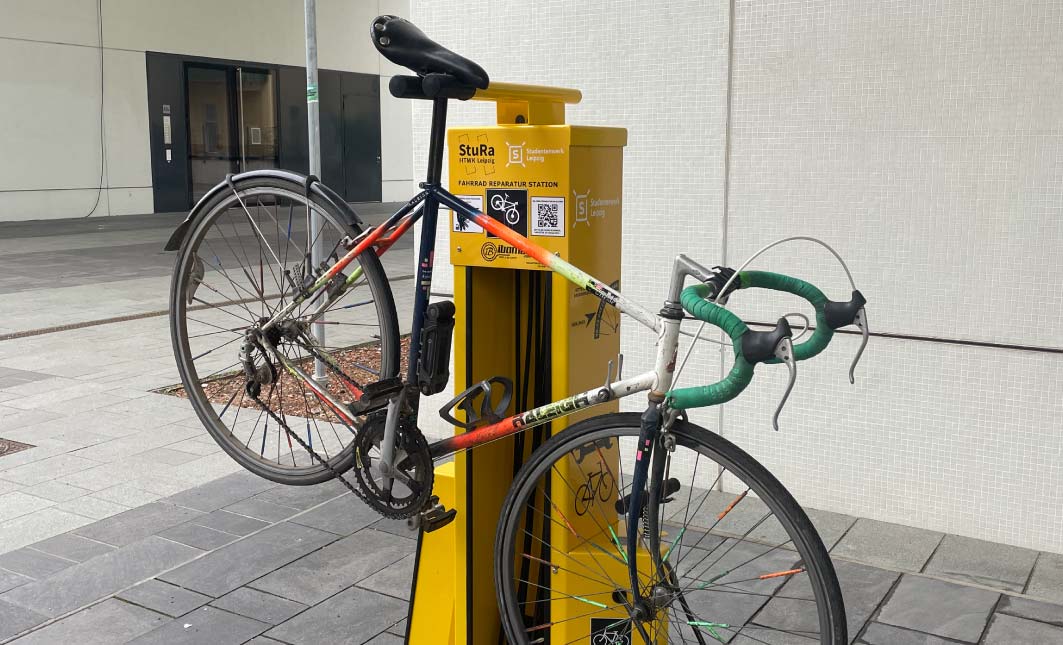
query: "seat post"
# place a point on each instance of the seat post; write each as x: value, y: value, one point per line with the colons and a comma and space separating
x: 426, y: 253
x: 437, y: 140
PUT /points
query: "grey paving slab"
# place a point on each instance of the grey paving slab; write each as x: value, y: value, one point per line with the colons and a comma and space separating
x: 205, y: 625
x: 985, y: 563
x: 343, y: 515
x: 260, y: 509
x: 230, y: 523
x: 395, y: 527
x: 56, y: 491
x: 863, y: 589
x: 232, y: 566
x: 198, y: 536
x: 393, y: 580
x: 10, y: 580
x: 32, y: 563
x: 73, y: 547
x: 303, y: 497
x: 879, y: 634
x: 399, y: 628
x: 341, y: 564
x: 385, y: 639
x: 111, y: 621
x: 47, y: 469
x: 15, y: 619
x: 222, y: 492
x: 138, y: 523
x: 37, y: 526
x: 1010, y: 630
x: 1047, y: 579
x: 770, y: 638
x: 830, y: 526
x: 91, y: 507
x: 262, y: 640
x: 100, y: 577
x: 344, y: 619
x: 164, y: 598
x: 1044, y: 612
x: 939, y: 608
x: 259, y: 605
x: 888, y: 545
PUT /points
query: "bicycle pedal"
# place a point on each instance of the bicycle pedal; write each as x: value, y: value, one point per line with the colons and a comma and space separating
x: 434, y: 518
x: 376, y: 395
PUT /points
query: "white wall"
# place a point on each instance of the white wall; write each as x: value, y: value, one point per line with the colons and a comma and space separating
x: 923, y: 141
x: 50, y: 87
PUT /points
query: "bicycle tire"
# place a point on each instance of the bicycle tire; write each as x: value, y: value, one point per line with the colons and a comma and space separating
x: 375, y: 277
x: 816, y: 562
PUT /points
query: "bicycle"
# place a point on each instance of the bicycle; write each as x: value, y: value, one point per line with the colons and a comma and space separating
x: 502, y: 203
x: 739, y: 562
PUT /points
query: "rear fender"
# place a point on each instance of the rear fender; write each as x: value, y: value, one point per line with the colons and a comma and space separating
x: 319, y: 189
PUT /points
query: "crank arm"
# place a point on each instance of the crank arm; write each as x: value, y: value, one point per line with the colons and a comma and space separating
x: 784, y: 351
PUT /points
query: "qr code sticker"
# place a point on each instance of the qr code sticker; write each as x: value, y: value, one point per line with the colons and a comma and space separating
x: 468, y: 226
x: 548, y: 216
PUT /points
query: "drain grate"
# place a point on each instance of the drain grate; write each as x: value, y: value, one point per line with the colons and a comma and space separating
x: 9, y: 447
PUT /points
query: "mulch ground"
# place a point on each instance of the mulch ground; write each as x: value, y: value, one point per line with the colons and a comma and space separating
x: 290, y: 395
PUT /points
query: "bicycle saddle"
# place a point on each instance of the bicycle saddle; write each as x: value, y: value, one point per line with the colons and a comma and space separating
x: 402, y: 43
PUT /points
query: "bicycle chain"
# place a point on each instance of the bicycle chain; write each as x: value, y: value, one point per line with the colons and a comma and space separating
x: 358, y: 491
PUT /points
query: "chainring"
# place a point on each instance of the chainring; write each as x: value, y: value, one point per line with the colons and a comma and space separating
x: 411, y: 488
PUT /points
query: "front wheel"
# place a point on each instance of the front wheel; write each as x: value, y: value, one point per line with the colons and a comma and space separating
x: 738, y: 560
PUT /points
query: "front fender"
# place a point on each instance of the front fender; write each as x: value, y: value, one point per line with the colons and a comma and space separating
x: 319, y: 189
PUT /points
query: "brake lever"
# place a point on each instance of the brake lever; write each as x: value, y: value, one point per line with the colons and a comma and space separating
x: 784, y: 351
x: 860, y: 321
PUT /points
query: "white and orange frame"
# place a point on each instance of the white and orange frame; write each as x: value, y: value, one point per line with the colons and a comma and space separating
x: 381, y: 238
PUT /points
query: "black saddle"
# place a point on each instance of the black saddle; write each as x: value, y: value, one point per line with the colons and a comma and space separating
x: 401, y: 42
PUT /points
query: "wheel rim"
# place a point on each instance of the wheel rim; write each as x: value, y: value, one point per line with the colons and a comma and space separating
x: 738, y: 562
x: 251, y: 252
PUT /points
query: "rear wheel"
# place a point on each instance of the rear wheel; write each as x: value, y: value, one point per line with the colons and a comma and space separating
x: 739, y: 561
x: 245, y: 258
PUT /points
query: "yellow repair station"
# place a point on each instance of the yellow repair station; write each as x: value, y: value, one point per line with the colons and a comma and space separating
x: 561, y: 186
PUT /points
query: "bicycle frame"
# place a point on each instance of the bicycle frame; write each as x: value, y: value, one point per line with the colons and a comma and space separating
x: 424, y: 207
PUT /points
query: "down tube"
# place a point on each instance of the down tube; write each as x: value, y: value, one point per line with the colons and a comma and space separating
x: 567, y: 270
x: 542, y: 414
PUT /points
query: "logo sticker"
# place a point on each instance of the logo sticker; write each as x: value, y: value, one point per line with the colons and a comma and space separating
x: 548, y: 216
x: 476, y: 154
x: 516, y: 155
x: 468, y: 226
x: 489, y: 251
x: 610, y: 631
x: 587, y: 208
x: 509, y: 207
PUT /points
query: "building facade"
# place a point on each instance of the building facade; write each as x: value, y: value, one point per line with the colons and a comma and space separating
x: 922, y: 141
x: 119, y: 107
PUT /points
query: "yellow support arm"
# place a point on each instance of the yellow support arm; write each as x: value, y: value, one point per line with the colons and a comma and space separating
x: 529, y: 104
x: 500, y: 92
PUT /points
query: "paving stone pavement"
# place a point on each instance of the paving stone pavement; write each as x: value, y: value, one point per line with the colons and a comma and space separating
x: 103, y: 442
x: 287, y: 573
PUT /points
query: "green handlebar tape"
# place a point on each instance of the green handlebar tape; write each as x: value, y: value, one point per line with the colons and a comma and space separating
x: 693, y: 300
x: 779, y: 282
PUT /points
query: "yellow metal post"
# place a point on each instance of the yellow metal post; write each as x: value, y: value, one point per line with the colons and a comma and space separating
x: 561, y: 186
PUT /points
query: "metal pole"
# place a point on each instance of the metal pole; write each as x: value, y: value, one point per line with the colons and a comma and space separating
x: 313, y: 122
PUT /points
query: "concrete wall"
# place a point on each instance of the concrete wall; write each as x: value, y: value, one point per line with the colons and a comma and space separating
x: 51, y: 166
x: 923, y: 141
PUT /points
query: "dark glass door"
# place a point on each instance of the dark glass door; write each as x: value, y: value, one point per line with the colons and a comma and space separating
x: 212, y: 137
x: 232, y: 123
